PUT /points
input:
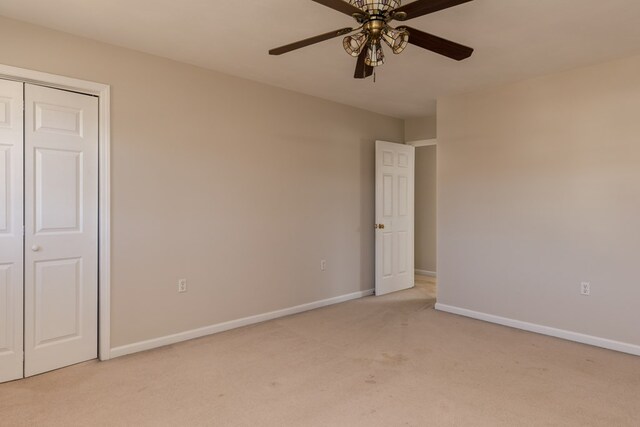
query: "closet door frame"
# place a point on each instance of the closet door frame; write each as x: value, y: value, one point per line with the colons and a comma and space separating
x: 102, y: 91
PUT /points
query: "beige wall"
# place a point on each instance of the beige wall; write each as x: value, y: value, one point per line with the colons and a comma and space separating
x: 420, y: 128
x: 239, y: 187
x: 426, y: 208
x: 539, y: 190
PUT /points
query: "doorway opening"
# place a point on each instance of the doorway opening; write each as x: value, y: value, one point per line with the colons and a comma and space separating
x: 426, y: 216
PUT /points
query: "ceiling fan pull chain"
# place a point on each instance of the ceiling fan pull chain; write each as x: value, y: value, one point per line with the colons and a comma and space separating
x: 374, y: 75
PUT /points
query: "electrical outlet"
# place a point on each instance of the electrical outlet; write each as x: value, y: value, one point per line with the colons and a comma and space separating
x: 182, y: 285
x: 585, y: 288
x: 323, y: 265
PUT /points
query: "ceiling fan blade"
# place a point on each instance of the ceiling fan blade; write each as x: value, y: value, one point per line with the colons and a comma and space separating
x: 342, y: 6
x: 424, y: 7
x: 307, y: 42
x: 362, y: 69
x: 438, y: 45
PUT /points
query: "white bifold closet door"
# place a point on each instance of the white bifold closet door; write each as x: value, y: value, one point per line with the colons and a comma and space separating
x: 61, y: 228
x: 55, y: 239
x: 11, y: 239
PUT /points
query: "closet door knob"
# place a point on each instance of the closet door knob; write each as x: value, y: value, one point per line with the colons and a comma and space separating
x: 35, y: 248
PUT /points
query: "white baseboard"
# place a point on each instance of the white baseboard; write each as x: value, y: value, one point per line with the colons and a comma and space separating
x: 544, y: 330
x: 221, y: 327
x: 426, y: 273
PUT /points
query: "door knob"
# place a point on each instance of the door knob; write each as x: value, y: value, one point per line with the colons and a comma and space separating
x: 379, y: 226
x: 35, y: 248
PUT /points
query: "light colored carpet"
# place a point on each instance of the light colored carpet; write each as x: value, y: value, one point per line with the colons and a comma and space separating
x: 387, y: 361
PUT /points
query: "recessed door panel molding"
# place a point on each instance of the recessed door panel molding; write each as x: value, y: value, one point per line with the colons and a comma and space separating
x: 58, y: 119
x: 395, y: 176
x: 388, y: 158
x: 58, y: 301
x: 11, y: 239
x: 387, y: 195
x: 403, y: 240
x: 387, y: 249
x: 5, y: 189
x: 6, y: 309
x: 403, y: 160
x: 403, y: 195
x: 58, y: 190
x: 61, y: 228
x: 5, y: 111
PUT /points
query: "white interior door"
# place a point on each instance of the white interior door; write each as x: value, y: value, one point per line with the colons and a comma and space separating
x: 395, y: 181
x: 11, y: 240
x: 61, y: 228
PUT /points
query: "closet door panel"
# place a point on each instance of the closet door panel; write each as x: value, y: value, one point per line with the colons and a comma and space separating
x: 61, y: 228
x: 11, y: 234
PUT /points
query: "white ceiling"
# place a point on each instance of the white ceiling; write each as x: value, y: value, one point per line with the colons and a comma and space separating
x: 514, y: 40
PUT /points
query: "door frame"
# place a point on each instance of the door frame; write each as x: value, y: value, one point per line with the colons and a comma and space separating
x: 423, y: 143
x: 427, y: 143
x: 103, y: 92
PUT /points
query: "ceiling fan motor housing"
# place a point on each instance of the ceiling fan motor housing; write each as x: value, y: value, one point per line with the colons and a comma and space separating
x: 377, y: 14
x: 374, y: 28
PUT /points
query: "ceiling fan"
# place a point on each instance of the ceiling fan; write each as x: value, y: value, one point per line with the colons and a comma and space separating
x: 374, y: 17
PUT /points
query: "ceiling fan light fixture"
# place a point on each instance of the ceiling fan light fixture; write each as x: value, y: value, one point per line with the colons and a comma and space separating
x: 354, y: 44
x: 396, y: 39
x: 375, y: 56
x: 374, y: 18
x: 376, y: 7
